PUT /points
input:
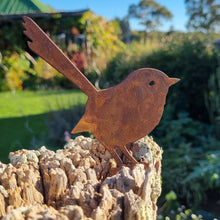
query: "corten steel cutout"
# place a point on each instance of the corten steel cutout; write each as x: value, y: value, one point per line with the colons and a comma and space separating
x: 118, y: 115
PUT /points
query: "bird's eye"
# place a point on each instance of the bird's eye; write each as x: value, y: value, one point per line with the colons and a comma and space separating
x: 151, y: 83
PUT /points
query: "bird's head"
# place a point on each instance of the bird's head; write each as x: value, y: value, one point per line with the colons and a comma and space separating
x: 152, y: 79
x: 152, y: 82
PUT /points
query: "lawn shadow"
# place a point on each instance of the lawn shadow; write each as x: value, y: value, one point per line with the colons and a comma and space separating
x: 18, y: 133
x: 34, y: 131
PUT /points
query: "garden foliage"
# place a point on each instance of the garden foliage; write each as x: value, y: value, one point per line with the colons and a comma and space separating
x: 190, y: 166
x: 103, y: 43
x: 186, y: 132
x: 15, y: 71
x: 21, y: 71
x: 212, y: 99
x: 185, y: 57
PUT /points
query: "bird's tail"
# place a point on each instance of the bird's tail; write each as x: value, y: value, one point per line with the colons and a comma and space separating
x: 83, y: 126
x: 43, y: 46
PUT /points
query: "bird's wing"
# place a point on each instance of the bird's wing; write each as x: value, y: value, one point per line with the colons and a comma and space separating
x: 43, y: 46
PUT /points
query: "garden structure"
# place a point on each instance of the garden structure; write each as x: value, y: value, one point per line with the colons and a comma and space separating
x: 62, y: 26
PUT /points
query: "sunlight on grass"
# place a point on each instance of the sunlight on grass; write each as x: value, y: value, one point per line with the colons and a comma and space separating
x: 24, y: 103
x: 23, y: 116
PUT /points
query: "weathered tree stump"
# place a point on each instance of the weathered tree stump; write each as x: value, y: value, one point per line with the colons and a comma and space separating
x: 75, y: 183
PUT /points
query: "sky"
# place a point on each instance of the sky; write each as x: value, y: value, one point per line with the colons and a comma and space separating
x: 111, y: 9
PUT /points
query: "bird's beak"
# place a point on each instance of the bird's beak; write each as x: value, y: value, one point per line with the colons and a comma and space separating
x: 173, y: 81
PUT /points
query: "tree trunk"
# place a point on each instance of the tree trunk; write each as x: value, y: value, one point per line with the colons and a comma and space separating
x: 145, y: 36
x: 76, y: 183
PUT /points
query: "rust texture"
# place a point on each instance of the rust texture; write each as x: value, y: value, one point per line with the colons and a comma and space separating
x: 118, y: 115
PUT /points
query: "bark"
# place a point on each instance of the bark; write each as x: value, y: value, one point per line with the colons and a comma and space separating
x: 76, y: 183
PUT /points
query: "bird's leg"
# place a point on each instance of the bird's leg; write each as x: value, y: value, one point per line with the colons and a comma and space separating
x: 131, y: 158
x: 118, y: 160
x: 116, y: 156
x: 128, y: 155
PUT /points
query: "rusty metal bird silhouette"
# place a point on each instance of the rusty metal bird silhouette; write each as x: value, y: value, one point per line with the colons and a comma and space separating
x: 118, y: 115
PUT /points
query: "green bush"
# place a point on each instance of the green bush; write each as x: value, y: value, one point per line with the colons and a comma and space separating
x: 190, y: 167
x: 11, y: 31
x: 190, y: 164
x: 44, y: 77
x: 189, y: 58
x: 17, y: 68
x: 212, y: 99
x: 21, y: 71
x: 171, y: 209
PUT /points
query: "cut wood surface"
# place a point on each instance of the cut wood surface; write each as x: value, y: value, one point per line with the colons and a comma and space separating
x: 77, y: 183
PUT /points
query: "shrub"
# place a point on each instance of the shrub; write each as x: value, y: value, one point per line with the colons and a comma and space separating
x: 212, y: 99
x: 17, y: 71
x: 190, y: 164
x: 45, y: 76
x: 193, y: 62
x: 183, y: 133
x: 22, y: 71
x: 102, y: 41
x: 189, y: 58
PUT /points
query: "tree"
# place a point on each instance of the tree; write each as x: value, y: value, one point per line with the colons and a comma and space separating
x: 125, y: 29
x: 150, y: 14
x: 102, y: 41
x: 204, y: 15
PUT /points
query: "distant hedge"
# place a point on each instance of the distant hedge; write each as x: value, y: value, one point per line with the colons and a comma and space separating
x: 189, y: 58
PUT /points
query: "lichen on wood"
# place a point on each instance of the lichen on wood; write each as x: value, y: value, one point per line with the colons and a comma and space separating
x: 76, y: 183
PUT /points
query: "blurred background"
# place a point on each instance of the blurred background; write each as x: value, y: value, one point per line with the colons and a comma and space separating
x: 107, y: 40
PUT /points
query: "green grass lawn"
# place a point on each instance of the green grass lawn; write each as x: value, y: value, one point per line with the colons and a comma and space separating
x: 23, y: 116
